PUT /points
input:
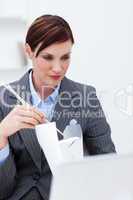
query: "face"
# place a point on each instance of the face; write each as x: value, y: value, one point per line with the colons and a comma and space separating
x: 51, y: 64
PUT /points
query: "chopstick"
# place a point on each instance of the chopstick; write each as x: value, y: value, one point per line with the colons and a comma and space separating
x: 9, y: 88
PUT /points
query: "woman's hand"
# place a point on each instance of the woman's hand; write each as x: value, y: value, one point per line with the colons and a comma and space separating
x: 22, y: 116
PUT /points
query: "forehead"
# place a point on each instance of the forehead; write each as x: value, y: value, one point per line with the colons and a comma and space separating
x: 58, y: 48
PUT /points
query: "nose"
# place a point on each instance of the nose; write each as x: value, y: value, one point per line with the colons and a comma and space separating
x: 57, y: 67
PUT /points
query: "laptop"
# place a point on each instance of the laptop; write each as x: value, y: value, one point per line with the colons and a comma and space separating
x: 108, y: 177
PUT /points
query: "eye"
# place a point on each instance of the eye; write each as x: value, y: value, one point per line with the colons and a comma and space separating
x: 65, y: 57
x: 47, y: 57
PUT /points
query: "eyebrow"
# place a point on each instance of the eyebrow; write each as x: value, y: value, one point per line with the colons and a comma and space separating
x: 48, y: 54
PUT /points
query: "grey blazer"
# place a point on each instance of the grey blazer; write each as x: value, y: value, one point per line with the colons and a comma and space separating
x: 26, y: 166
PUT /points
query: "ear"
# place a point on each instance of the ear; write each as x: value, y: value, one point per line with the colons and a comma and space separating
x: 29, y: 51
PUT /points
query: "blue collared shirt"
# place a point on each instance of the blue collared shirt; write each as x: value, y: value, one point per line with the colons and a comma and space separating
x: 46, y: 106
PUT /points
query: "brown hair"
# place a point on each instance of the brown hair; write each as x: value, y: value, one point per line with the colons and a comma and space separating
x: 46, y: 30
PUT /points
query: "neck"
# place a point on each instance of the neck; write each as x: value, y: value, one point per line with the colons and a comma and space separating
x: 43, y: 90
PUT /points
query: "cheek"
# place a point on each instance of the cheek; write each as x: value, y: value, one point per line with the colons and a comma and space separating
x: 66, y: 65
x: 42, y: 64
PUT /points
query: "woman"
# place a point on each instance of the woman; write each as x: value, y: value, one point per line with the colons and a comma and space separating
x: 24, y: 171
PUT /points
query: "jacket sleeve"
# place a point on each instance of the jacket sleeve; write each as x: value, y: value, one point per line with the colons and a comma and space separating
x: 7, y: 177
x: 7, y: 173
x: 4, y: 153
x: 97, y: 134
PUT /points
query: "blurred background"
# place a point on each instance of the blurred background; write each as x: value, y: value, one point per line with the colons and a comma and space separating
x: 102, y: 54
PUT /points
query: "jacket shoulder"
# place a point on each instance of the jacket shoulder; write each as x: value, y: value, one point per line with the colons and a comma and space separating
x: 81, y: 86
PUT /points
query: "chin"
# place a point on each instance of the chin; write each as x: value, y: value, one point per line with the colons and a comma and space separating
x: 56, y: 82
x: 51, y: 84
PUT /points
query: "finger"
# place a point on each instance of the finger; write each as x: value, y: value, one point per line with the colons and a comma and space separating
x: 32, y: 114
x: 34, y: 109
x: 26, y: 125
x: 29, y: 120
x: 30, y: 109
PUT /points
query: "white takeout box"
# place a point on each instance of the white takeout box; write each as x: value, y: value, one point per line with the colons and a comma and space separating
x: 58, y: 152
x: 71, y: 149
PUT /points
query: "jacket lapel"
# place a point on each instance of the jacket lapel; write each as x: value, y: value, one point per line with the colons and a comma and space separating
x: 32, y: 145
x: 64, y: 110
x: 28, y: 135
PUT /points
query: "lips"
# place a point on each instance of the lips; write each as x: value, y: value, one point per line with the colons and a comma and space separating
x: 55, y: 77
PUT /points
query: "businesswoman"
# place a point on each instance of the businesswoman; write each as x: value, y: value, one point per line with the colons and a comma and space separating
x: 24, y: 171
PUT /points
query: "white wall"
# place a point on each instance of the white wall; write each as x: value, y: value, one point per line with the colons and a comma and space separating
x: 102, y: 55
x: 13, y: 21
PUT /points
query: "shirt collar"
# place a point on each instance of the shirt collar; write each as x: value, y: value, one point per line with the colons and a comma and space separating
x: 36, y: 98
